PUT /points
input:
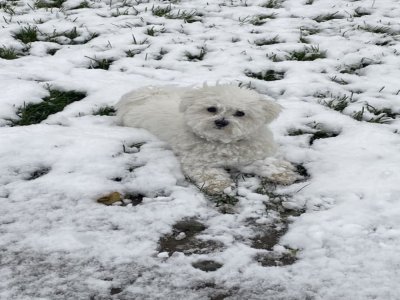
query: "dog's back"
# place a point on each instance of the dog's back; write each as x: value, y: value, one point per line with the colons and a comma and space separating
x: 155, y: 109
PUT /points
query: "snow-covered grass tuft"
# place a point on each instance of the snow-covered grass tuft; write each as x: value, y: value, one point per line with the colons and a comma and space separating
x: 193, y: 56
x: 267, y: 75
x: 27, y: 34
x: 306, y: 54
x: 9, y: 53
x: 272, y: 4
x: 100, y: 63
x: 335, y: 102
x: 270, y: 41
x: 105, y: 111
x: 49, y: 3
x: 328, y: 17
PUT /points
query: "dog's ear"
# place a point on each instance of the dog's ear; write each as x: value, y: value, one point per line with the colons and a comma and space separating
x: 271, y: 110
x: 188, y: 99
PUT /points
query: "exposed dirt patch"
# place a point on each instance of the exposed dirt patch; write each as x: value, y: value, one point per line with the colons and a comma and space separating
x: 183, y: 239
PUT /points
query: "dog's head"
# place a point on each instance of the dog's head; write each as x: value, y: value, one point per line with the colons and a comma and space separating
x: 226, y: 113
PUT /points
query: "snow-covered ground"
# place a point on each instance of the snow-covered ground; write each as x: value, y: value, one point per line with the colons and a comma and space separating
x: 334, y: 235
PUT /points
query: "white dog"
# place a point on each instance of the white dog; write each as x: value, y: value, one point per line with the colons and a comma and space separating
x: 210, y: 129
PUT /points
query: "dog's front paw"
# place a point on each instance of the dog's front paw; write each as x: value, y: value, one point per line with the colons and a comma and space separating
x: 283, y: 172
x: 210, y: 180
x: 285, y: 177
x: 275, y: 170
x: 215, y: 186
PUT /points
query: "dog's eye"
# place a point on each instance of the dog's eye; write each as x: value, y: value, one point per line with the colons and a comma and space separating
x: 239, y: 113
x: 212, y: 109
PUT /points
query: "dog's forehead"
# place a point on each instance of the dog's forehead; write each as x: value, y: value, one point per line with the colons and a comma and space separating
x: 233, y: 96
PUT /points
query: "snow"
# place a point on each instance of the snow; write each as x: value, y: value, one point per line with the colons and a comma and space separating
x: 58, y: 242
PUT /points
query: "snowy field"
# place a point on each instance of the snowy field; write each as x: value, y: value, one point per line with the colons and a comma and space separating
x: 333, y: 65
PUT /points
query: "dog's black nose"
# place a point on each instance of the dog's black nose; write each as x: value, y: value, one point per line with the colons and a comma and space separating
x: 221, y: 123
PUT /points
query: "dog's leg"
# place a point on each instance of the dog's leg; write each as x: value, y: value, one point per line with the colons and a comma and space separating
x: 276, y: 170
x: 211, y: 180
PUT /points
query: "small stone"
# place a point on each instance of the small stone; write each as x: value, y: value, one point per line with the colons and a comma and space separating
x: 180, y: 236
x: 163, y: 255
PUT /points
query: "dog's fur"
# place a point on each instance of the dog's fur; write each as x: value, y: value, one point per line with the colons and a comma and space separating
x: 209, y: 129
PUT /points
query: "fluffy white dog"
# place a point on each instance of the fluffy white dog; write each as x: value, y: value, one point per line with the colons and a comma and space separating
x: 210, y: 129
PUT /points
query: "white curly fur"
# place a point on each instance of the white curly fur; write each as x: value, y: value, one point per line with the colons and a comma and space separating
x: 180, y: 117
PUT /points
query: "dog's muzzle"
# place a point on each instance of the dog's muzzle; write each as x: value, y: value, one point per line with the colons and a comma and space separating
x: 220, y: 123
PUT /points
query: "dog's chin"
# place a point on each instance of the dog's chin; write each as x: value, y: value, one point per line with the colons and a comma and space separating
x: 218, y: 135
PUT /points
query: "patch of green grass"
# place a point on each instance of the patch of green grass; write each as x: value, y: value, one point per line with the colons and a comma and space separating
x: 97, y: 63
x: 105, y: 111
x: 196, y: 56
x: 267, y: 75
x: 306, y: 54
x: 271, y: 41
x: 27, y: 34
x: 49, y: 3
x: 9, y: 53
x: 34, y: 113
